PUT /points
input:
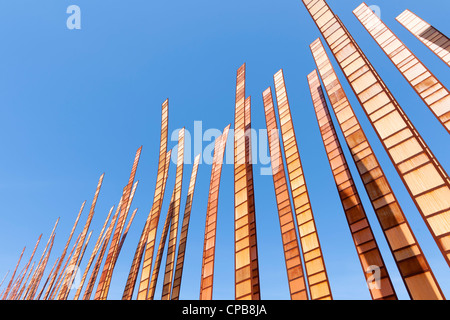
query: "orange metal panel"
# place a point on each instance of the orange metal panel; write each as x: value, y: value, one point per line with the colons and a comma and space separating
x: 26, y: 267
x: 109, y: 231
x: 246, y: 253
x: 134, y: 270
x: 8, y: 288
x: 162, y: 244
x: 48, y: 279
x: 94, y: 253
x: 56, y: 288
x: 63, y: 255
x: 125, y: 233
x: 42, y: 269
x: 108, y: 268
x: 432, y: 92
x: 15, y: 284
x: 65, y: 287
x: 209, y: 246
x: 366, y: 246
x: 150, y: 236
x: 309, y: 238
x: 171, y: 247
x: 184, y: 232
x: 389, y: 213
x: 422, y: 174
x: 291, y: 248
x: 31, y: 287
x: 436, y: 41
x: 17, y: 297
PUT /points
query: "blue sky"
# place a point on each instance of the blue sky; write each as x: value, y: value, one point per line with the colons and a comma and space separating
x: 77, y: 103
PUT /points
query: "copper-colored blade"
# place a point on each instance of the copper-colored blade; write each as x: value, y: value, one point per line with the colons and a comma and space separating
x: 291, y: 248
x: 432, y: 92
x: 209, y: 246
x: 42, y: 269
x: 63, y: 255
x: 125, y: 233
x: 4, y: 278
x: 427, y: 182
x: 93, y: 254
x: 58, y: 284
x: 173, y: 235
x: 309, y: 238
x: 16, y: 284
x: 95, y: 271
x: 19, y: 294
x: 48, y: 278
x: 432, y: 38
x: 160, y: 252
x: 184, y: 232
x: 150, y: 236
x: 246, y: 253
x: 66, y: 285
x: 251, y: 197
x: 108, y: 268
x: 134, y: 270
x: 26, y: 267
x: 365, y: 243
x: 407, y: 253
x: 31, y: 287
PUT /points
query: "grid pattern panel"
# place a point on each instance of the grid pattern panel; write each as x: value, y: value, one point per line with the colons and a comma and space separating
x: 436, y: 41
x: 312, y: 252
x: 291, y: 248
x: 424, y: 177
x: 93, y: 254
x: 433, y: 93
x: 209, y: 246
x: 105, y: 278
x: 171, y: 247
x: 184, y: 232
x: 246, y: 255
x: 399, y: 235
x: 366, y: 246
x: 137, y: 259
x: 155, y: 211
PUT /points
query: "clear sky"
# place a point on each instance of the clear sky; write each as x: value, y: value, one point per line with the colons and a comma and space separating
x: 77, y: 103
